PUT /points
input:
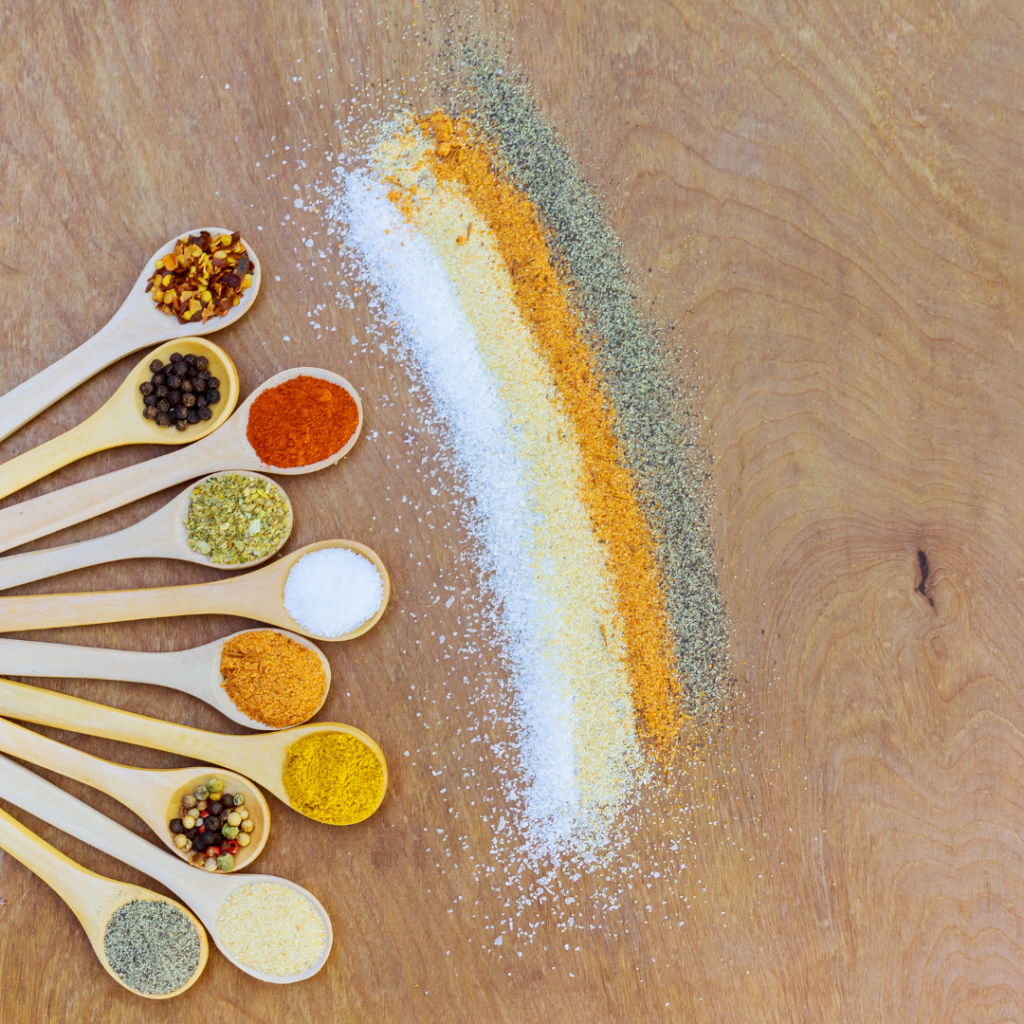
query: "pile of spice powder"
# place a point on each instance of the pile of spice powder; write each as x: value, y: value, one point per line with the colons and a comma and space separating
x: 333, y: 777
x: 271, y: 928
x: 272, y: 678
x: 204, y: 276
x: 301, y: 421
x: 151, y: 946
x: 234, y: 519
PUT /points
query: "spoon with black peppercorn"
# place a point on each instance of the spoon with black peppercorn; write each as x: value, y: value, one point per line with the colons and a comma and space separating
x: 137, y: 324
x: 155, y: 795
x: 205, y: 892
x: 123, y: 420
x: 164, y: 534
x: 196, y: 671
x: 227, y: 448
x: 93, y: 899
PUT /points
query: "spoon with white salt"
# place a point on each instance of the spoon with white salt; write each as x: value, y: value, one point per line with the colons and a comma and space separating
x: 333, y: 590
x: 195, y: 671
x: 164, y: 534
x: 137, y: 324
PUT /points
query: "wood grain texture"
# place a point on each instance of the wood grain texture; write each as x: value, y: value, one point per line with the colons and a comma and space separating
x: 824, y: 201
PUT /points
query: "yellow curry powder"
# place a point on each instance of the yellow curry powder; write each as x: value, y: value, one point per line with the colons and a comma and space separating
x: 333, y: 777
x: 272, y: 678
x: 608, y: 490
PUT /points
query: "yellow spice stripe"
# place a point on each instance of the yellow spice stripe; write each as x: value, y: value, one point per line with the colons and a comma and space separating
x: 607, y: 490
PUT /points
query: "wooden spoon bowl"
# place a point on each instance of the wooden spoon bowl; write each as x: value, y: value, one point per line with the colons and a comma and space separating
x: 121, y: 420
x: 92, y: 898
x: 137, y: 324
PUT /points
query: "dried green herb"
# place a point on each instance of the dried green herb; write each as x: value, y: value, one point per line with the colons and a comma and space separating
x: 233, y: 518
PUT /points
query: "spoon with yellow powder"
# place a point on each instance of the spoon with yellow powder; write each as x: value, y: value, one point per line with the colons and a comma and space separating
x: 331, y: 772
x: 137, y: 324
x: 259, y: 678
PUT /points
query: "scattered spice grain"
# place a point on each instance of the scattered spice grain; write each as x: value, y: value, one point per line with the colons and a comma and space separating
x: 301, y: 421
x: 151, y: 946
x: 271, y: 928
x: 234, y: 519
x: 203, y: 277
x: 333, y: 777
x: 272, y: 678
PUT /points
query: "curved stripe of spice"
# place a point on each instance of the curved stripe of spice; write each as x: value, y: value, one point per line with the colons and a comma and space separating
x: 609, y: 494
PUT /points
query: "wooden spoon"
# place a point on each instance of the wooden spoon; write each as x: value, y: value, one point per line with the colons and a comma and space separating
x: 92, y: 898
x: 120, y: 420
x: 256, y: 595
x: 203, y: 891
x: 228, y: 448
x: 161, y: 535
x: 258, y: 757
x: 153, y: 795
x: 195, y: 671
x: 137, y: 324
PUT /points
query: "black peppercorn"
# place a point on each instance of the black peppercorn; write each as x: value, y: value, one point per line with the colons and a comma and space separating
x: 202, y: 363
x: 212, y: 397
x: 180, y: 411
x: 162, y: 391
x: 176, y: 826
x: 193, y: 416
x: 150, y: 400
x: 174, y: 381
x: 177, y: 357
x: 191, y: 372
x: 190, y: 359
x: 150, y: 412
x: 188, y: 401
x: 215, y: 807
x: 213, y: 382
x: 163, y: 420
x: 163, y: 405
x: 201, y: 402
x: 174, y: 397
x: 158, y: 379
x: 156, y: 366
x: 205, y: 374
x: 181, y: 425
x: 205, y: 413
x: 146, y: 388
x: 198, y: 385
x: 186, y: 387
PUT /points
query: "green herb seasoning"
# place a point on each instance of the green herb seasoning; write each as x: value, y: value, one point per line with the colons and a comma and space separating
x: 234, y: 519
x: 151, y: 946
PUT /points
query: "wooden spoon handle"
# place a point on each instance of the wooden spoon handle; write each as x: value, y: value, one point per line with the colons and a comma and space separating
x: 57, y: 510
x: 60, y: 873
x: 66, y: 661
x: 46, y: 562
x: 44, y: 707
x: 27, y: 790
x: 47, y: 611
x: 37, y: 393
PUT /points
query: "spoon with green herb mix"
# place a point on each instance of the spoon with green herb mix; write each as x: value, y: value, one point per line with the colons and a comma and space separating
x: 229, y: 520
x: 142, y: 321
x: 259, y: 678
x: 150, y: 944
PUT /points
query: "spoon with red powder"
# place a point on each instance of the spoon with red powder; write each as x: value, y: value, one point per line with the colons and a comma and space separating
x: 299, y: 421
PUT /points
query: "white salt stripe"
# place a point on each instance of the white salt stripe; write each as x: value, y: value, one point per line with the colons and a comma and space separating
x: 578, y: 621
x: 419, y: 296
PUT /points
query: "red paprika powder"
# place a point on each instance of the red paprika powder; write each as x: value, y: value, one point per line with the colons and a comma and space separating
x: 302, y: 421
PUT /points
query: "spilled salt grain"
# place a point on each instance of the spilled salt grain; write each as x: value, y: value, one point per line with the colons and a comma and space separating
x: 332, y: 591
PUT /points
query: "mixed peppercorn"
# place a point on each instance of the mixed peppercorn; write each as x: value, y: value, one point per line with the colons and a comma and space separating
x: 181, y: 392
x: 205, y: 276
x: 212, y: 826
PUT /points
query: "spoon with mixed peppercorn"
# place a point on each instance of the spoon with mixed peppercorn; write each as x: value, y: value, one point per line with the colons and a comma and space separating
x: 194, y: 284
x: 230, y: 447
x: 197, y: 391
x: 95, y: 899
x: 227, y: 520
x: 177, y: 804
x: 198, y: 671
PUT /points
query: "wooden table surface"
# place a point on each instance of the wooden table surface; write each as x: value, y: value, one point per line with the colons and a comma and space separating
x: 825, y: 203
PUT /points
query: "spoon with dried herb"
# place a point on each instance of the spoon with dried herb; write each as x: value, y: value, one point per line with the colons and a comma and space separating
x: 143, y: 320
x: 150, y: 944
x: 229, y: 520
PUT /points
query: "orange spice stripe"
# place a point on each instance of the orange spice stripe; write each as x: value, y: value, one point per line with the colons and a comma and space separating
x: 608, y: 493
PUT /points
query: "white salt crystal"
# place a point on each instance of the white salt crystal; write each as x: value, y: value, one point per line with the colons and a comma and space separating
x: 332, y: 591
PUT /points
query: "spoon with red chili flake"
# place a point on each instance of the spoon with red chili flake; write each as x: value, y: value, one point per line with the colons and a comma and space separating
x: 138, y: 324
